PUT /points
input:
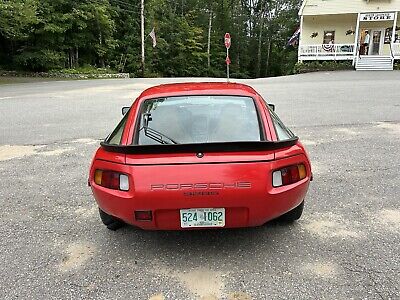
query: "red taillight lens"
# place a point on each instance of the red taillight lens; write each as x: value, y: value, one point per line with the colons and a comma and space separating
x: 288, y: 175
x: 143, y: 215
x: 111, y: 180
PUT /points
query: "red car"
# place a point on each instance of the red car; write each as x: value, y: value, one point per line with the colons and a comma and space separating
x: 199, y: 155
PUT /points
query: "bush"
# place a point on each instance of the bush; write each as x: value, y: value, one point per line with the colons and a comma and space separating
x: 396, y: 66
x: 314, y: 66
x: 239, y: 75
x: 42, y: 60
x: 216, y: 73
x: 87, y: 69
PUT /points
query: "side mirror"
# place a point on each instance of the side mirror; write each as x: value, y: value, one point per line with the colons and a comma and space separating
x: 125, y: 109
x: 271, y: 106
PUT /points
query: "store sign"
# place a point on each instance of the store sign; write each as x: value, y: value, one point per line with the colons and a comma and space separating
x: 377, y: 17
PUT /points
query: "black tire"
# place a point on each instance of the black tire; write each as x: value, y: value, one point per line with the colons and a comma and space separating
x: 293, y: 214
x: 111, y: 222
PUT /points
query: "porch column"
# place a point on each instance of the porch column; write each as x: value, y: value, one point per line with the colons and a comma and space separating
x: 394, y: 27
x: 301, y: 34
x: 356, y: 39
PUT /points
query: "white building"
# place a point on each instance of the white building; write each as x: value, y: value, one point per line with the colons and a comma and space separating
x: 365, y: 32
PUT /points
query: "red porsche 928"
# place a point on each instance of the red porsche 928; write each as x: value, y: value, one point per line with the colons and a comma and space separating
x: 199, y: 155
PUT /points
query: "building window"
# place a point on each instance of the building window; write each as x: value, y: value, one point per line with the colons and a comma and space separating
x: 329, y: 37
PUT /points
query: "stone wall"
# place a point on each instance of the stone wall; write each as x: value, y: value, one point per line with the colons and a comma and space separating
x: 63, y: 75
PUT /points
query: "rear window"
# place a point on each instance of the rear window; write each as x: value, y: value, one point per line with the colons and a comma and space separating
x: 282, y: 132
x: 115, y: 137
x: 198, y: 119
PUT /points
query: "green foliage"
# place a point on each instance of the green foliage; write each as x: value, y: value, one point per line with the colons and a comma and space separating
x: 39, y: 60
x: 69, y: 35
x: 87, y: 69
x: 17, y: 18
x: 314, y: 66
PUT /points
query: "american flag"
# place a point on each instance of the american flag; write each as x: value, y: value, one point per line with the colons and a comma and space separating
x: 295, y: 38
x: 152, y: 34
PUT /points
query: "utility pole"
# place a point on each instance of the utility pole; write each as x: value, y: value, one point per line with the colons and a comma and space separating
x: 209, y: 39
x: 142, y: 33
x: 227, y: 64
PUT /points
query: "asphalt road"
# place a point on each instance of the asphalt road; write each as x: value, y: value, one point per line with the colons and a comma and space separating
x: 347, y: 244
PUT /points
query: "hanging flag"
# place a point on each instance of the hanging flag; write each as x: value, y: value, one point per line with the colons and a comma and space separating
x: 294, y: 40
x: 328, y: 47
x: 152, y: 34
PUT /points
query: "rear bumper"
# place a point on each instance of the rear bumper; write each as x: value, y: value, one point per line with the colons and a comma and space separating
x: 239, y: 211
x: 243, y: 188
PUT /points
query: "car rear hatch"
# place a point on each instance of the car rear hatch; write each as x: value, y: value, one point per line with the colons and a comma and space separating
x: 240, y: 182
x: 165, y: 184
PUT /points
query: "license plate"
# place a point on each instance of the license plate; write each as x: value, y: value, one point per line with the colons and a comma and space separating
x: 202, y: 217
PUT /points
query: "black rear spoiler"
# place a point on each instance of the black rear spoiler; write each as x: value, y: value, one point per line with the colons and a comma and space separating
x: 201, y: 147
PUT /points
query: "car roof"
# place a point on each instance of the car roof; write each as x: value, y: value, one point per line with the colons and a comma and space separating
x: 198, y: 88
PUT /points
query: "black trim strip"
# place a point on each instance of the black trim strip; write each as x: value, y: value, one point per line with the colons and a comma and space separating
x: 203, y: 147
x: 190, y: 163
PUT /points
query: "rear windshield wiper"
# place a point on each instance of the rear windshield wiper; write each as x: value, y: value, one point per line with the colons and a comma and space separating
x: 154, y: 134
x: 157, y: 136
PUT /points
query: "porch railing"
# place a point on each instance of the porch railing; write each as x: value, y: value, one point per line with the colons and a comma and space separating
x: 331, y: 50
x: 396, y: 50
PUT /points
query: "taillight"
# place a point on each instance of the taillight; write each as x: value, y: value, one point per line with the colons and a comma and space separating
x: 288, y: 175
x: 112, y: 180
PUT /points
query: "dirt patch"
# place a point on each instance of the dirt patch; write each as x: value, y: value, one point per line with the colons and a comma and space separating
x: 201, y: 282
x: 11, y: 151
x: 85, y: 141
x: 319, y: 168
x: 55, y: 152
x: 331, y: 226
x: 391, y: 127
x: 77, y: 254
x: 239, y: 296
x: 209, y: 297
x: 391, y: 218
x: 8, y: 152
x: 346, y: 131
x: 321, y: 269
x: 157, y: 297
x: 86, y: 212
x: 308, y: 142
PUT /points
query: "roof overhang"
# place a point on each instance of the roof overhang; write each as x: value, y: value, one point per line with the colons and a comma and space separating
x: 302, y: 7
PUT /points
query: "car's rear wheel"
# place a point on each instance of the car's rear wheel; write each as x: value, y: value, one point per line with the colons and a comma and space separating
x: 293, y: 214
x: 111, y: 222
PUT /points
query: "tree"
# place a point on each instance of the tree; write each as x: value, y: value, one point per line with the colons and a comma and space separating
x: 41, y: 35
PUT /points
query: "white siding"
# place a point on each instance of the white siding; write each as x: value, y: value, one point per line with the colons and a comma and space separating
x: 340, y: 24
x: 327, y: 7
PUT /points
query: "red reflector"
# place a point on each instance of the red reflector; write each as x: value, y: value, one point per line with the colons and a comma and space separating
x: 291, y: 175
x: 286, y: 178
x: 110, y: 179
x: 294, y: 173
x: 143, y: 215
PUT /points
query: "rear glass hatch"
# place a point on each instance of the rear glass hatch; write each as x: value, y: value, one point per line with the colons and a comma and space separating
x: 198, y: 119
x: 181, y: 126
